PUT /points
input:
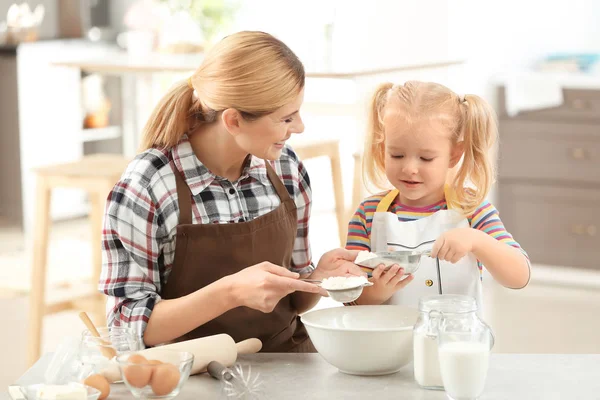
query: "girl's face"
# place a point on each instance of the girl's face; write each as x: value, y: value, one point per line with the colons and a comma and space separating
x: 266, y: 136
x: 418, y: 157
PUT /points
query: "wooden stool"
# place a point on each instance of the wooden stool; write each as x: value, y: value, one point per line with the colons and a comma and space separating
x: 96, y: 174
x: 306, y: 149
x: 358, y: 188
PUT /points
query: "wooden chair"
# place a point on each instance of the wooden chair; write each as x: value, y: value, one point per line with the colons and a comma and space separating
x: 330, y: 148
x: 358, y: 185
x: 96, y: 174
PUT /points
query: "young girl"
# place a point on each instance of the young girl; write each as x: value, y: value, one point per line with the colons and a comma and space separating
x: 433, y: 146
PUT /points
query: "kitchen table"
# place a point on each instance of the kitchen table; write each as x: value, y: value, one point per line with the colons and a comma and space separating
x: 309, y: 376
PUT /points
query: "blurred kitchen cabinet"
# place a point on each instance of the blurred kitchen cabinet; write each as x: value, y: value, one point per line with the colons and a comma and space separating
x: 51, y: 122
x: 548, y: 195
x: 549, y: 180
x: 107, y: 139
x: 10, y: 170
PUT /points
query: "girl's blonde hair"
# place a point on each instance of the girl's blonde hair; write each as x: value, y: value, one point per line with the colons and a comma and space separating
x: 469, y: 119
x: 252, y: 72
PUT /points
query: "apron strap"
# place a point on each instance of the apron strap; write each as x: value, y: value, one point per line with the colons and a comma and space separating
x: 184, y: 198
x: 386, y: 202
x: 277, y: 183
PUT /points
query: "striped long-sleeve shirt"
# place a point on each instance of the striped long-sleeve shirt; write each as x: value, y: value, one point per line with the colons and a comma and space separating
x: 485, y: 218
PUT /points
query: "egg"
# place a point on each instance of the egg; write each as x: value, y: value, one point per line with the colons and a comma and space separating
x: 154, y: 362
x: 98, y: 382
x: 137, y: 375
x: 165, y: 379
x: 137, y: 359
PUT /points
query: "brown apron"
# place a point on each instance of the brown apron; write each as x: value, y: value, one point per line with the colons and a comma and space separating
x: 205, y: 253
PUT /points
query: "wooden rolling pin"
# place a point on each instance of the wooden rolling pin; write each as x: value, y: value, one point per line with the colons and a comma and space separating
x: 221, y: 348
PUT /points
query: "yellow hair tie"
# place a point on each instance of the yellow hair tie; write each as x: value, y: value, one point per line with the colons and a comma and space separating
x: 189, y: 81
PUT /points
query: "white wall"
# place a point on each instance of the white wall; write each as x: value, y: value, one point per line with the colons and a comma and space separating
x: 366, y: 34
x: 492, y: 36
x: 499, y: 36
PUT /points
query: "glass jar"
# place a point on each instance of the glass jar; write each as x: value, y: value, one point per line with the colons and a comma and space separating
x: 98, y: 354
x: 425, y: 334
x: 464, y: 346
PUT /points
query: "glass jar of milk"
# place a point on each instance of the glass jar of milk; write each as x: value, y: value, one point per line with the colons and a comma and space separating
x: 425, y: 334
x: 464, y: 346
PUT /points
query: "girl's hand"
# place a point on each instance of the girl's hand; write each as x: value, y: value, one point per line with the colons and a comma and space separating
x: 337, y: 262
x: 455, y: 244
x: 386, y: 283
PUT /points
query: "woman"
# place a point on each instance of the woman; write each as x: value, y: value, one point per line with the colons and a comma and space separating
x: 207, y: 230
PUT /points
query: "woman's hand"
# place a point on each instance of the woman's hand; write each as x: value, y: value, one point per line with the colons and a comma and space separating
x: 337, y: 262
x: 262, y: 286
x: 386, y: 283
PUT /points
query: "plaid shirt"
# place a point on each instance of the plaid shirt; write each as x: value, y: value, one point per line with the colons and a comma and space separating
x: 142, y: 213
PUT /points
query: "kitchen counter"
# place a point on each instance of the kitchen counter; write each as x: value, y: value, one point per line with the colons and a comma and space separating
x: 567, y: 80
x: 109, y: 59
x: 301, y: 376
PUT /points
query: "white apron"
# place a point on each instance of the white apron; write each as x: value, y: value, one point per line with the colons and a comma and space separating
x: 388, y: 234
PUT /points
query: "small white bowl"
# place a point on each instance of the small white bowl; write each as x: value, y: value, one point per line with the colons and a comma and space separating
x: 363, y: 340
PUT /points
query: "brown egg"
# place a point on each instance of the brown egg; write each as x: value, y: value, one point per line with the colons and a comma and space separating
x: 98, y: 382
x: 164, y: 379
x: 137, y: 359
x: 137, y: 375
x: 154, y: 363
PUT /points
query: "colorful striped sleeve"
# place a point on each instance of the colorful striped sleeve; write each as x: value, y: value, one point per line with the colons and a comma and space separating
x: 487, y: 219
x: 358, y: 235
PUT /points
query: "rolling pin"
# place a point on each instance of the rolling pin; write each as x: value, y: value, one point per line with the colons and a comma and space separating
x: 221, y: 348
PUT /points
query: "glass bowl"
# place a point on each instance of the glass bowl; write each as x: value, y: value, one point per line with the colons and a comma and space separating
x: 157, y: 373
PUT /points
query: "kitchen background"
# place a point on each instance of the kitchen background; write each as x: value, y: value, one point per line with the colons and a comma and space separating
x: 78, y: 79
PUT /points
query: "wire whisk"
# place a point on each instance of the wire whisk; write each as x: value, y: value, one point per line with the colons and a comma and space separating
x: 241, y: 383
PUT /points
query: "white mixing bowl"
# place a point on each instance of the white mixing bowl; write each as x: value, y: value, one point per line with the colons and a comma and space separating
x: 363, y: 340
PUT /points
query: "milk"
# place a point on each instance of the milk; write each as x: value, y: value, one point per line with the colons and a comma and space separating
x: 464, y: 367
x: 426, y: 361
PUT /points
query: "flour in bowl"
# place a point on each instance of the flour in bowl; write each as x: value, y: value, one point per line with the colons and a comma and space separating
x: 363, y: 256
x: 343, y: 282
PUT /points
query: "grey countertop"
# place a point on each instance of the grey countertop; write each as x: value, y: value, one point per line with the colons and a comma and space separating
x: 308, y: 376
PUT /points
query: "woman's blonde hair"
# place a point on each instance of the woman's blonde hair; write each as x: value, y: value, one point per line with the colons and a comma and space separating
x: 469, y: 119
x: 252, y: 72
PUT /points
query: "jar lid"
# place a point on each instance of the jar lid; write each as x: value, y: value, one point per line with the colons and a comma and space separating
x: 448, y: 303
x: 106, y: 332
